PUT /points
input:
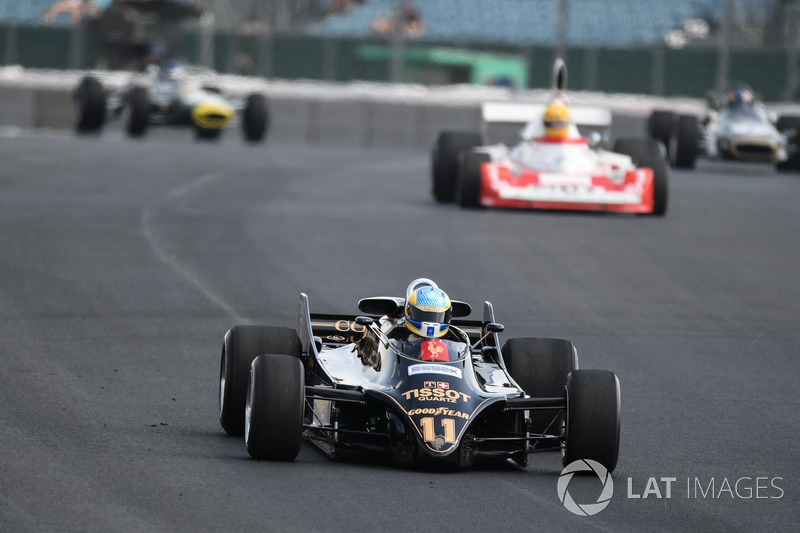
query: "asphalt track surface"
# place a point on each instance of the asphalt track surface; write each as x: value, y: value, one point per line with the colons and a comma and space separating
x: 123, y: 263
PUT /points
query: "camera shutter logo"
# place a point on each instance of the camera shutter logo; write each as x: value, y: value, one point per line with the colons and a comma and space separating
x: 586, y: 509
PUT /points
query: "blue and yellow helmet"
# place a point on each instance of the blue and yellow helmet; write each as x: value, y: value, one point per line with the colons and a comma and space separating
x: 428, y: 311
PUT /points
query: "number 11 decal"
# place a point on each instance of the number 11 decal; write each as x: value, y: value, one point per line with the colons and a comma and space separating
x: 449, y: 425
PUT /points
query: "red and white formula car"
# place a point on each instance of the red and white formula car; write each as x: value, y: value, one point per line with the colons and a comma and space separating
x: 572, y: 173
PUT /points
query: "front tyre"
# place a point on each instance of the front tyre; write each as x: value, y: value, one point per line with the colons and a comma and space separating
x: 661, y: 127
x: 649, y: 153
x: 255, y: 118
x: 687, y: 141
x: 445, y: 160
x: 241, y: 345
x: 274, y: 410
x: 90, y: 106
x: 138, y: 102
x: 468, y: 186
x: 593, y: 418
x: 789, y: 125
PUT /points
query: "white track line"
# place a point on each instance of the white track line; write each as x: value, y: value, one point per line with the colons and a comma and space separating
x: 147, y: 218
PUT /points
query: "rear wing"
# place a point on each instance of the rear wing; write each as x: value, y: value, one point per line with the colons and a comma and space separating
x: 522, y: 113
x: 497, y: 118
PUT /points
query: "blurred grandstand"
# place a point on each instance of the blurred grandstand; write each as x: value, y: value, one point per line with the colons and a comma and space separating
x: 610, y: 44
x: 602, y: 23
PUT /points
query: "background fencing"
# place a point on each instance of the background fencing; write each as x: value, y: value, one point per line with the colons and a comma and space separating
x: 676, y: 48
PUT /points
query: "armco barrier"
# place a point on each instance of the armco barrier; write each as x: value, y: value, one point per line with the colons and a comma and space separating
x: 344, y: 123
x: 369, y: 116
x: 17, y: 107
x: 52, y: 109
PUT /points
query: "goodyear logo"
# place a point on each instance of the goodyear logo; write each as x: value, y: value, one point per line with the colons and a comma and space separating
x: 438, y: 411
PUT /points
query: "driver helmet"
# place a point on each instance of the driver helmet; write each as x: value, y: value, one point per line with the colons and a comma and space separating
x: 556, y: 120
x: 428, y: 311
x: 740, y: 96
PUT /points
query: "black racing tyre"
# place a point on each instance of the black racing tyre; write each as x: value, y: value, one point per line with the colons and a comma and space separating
x: 687, y: 141
x: 661, y: 127
x: 89, y: 106
x: 255, y: 118
x: 649, y: 153
x: 593, y: 418
x: 541, y: 367
x: 789, y: 125
x: 241, y: 345
x: 640, y: 149
x: 445, y: 157
x: 275, y: 405
x: 660, y: 185
x: 138, y: 102
x: 468, y: 184
x: 207, y: 134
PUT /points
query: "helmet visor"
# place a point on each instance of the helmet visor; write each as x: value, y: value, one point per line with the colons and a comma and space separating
x: 418, y: 315
x: 556, y: 124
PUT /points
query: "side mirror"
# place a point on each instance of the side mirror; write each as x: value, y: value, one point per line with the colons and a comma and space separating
x: 364, y: 321
x: 493, y: 327
x: 594, y: 139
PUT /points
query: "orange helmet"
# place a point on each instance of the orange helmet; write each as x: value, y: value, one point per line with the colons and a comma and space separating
x: 556, y: 120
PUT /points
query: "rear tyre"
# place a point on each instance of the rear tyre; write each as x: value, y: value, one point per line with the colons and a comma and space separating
x: 138, y: 112
x: 444, y: 162
x: 274, y: 409
x: 90, y: 106
x: 241, y: 345
x: 593, y: 418
x: 649, y: 153
x: 468, y: 185
x: 541, y: 367
x: 687, y: 141
x: 255, y: 118
x: 661, y: 126
x: 790, y: 126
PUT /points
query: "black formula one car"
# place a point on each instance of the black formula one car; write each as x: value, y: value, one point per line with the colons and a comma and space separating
x: 348, y: 384
x: 190, y: 98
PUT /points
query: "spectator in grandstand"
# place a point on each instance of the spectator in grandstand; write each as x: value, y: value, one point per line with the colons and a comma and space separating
x: 74, y: 9
x: 407, y: 18
x: 338, y: 7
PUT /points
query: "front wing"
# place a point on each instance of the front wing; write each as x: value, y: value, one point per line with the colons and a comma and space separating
x: 502, y: 187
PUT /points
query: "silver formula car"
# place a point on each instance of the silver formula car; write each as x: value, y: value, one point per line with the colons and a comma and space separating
x: 736, y: 127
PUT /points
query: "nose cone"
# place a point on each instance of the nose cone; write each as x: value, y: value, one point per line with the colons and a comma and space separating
x: 212, y: 115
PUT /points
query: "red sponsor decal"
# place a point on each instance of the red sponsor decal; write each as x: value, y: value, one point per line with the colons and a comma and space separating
x: 434, y: 350
x: 442, y: 385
